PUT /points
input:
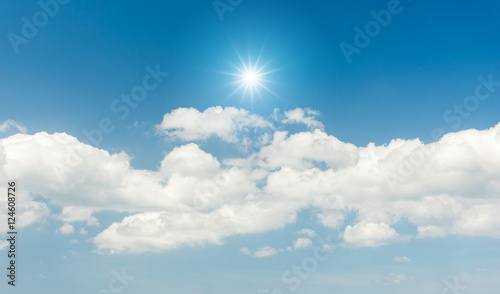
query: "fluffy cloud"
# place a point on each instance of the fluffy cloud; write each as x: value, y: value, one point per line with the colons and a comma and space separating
x: 166, y: 230
x: 367, y: 234
x: 189, y: 160
x: 449, y: 187
x: 73, y: 214
x: 66, y: 229
x: 302, y: 243
x: 8, y: 124
x: 305, y: 116
x: 189, y: 124
x: 302, y: 151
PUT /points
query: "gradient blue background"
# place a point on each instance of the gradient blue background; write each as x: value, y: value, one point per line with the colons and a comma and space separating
x: 66, y: 77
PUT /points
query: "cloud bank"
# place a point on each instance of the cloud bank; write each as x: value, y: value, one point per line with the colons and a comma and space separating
x: 194, y: 198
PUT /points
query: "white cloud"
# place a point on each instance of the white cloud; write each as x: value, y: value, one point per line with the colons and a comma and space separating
x: 266, y: 251
x: 302, y: 150
x: 73, y: 214
x: 165, y: 230
x: 194, y: 198
x: 302, y: 243
x: 308, y: 232
x: 189, y: 160
x: 305, y: 116
x: 66, y: 229
x: 83, y: 231
x: 262, y: 252
x: 189, y: 124
x: 367, y: 234
x: 331, y: 219
x: 401, y: 259
x: 6, y: 125
x: 431, y: 232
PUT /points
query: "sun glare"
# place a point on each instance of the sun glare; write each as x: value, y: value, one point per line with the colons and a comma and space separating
x: 250, y: 77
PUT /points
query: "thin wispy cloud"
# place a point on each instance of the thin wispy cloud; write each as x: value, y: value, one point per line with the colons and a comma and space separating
x: 10, y: 124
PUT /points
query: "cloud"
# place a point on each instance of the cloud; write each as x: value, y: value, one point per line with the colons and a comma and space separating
x: 305, y: 116
x: 401, y: 259
x: 302, y: 243
x: 228, y: 124
x: 262, y: 252
x: 331, y: 219
x: 6, y: 125
x: 266, y: 251
x: 430, y: 232
x: 194, y: 198
x: 189, y: 160
x: 303, y: 150
x: 368, y: 234
x: 73, y: 214
x: 66, y: 229
x: 165, y: 230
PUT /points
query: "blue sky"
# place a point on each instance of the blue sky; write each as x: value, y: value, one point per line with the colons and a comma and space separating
x: 352, y: 124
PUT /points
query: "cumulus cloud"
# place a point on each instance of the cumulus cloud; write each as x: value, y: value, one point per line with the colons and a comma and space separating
x: 166, y: 230
x: 303, y: 150
x: 194, y: 198
x: 66, y: 229
x: 189, y: 160
x: 3, y: 245
x: 331, y: 219
x: 302, y: 243
x: 73, y: 214
x: 368, y: 234
x: 189, y: 124
x: 8, y: 124
x: 305, y: 116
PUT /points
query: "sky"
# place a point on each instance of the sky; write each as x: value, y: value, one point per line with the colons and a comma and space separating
x: 237, y: 146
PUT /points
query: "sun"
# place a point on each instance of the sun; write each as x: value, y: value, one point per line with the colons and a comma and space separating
x: 251, y: 77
